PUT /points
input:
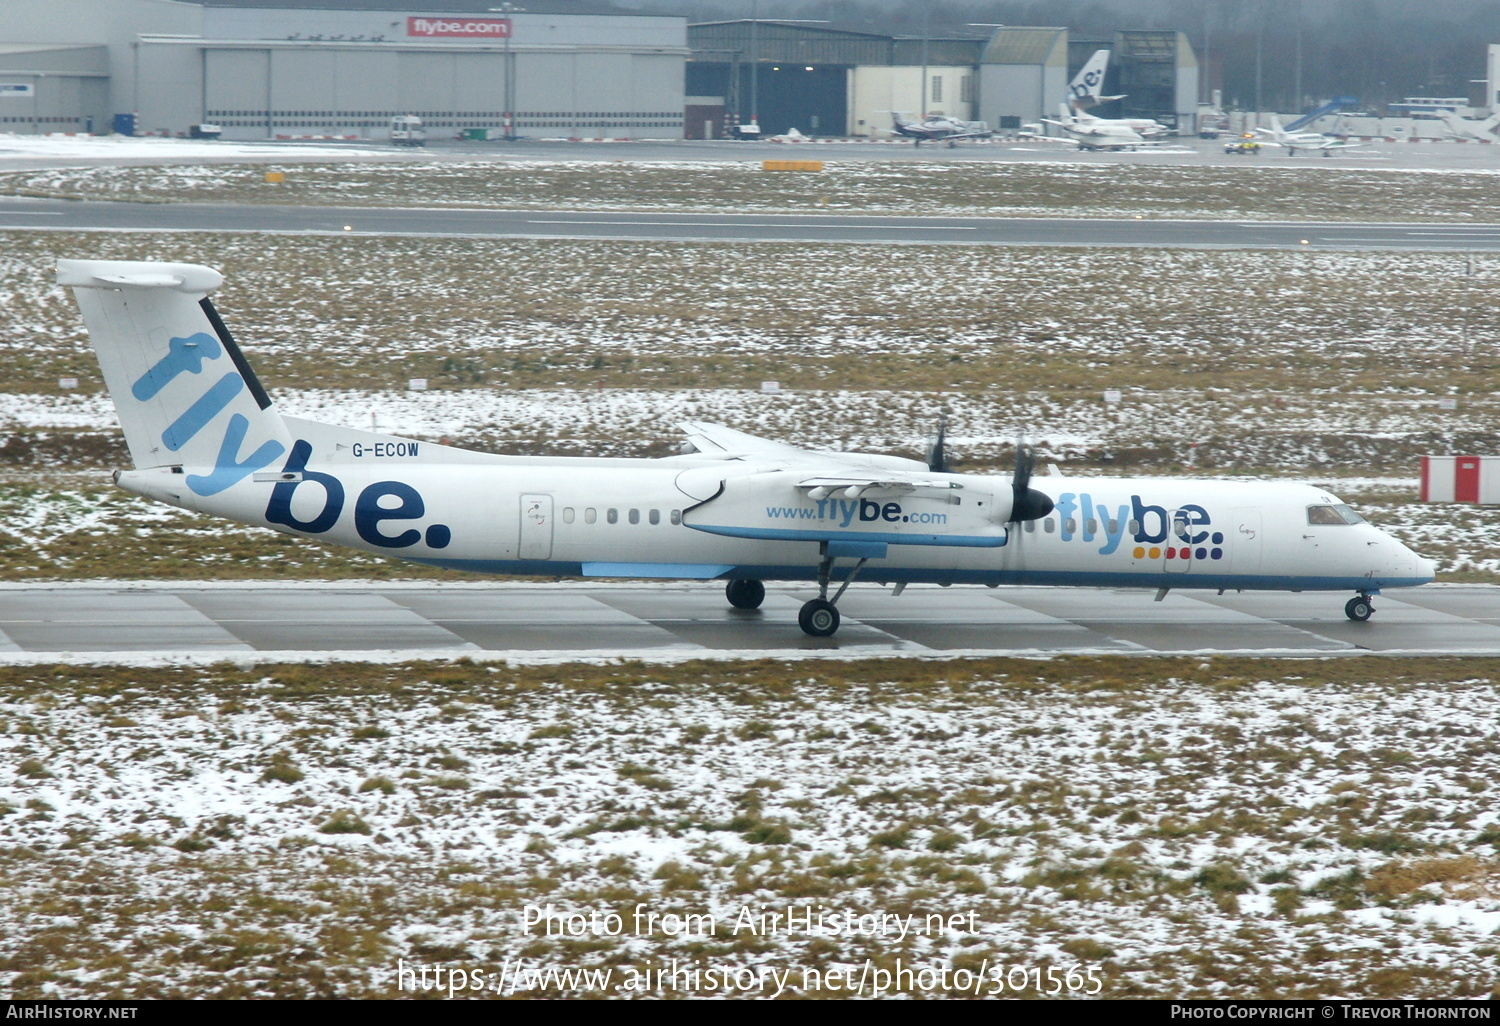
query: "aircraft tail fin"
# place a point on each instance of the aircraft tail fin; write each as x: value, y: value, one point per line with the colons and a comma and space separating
x: 1086, y: 86
x: 183, y: 391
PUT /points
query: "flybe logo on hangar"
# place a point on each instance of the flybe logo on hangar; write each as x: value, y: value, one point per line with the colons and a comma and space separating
x: 1186, y: 532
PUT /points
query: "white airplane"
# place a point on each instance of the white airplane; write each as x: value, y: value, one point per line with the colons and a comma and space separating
x: 1083, y: 91
x: 938, y: 128
x: 1462, y: 128
x: 204, y: 435
x: 1093, y: 133
x: 1294, y: 141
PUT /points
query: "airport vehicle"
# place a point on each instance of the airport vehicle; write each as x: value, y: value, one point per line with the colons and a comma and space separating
x: 1463, y: 128
x: 938, y: 128
x: 1294, y: 141
x: 1243, y: 147
x: 204, y: 435
x: 407, y: 130
x: 1083, y: 91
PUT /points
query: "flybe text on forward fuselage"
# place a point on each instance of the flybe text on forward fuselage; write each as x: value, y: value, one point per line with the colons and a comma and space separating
x: 1084, y: 519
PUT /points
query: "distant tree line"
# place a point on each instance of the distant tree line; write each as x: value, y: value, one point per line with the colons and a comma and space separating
x: 1288, y: 53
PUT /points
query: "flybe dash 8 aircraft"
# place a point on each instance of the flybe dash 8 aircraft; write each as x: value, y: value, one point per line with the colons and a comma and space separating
x: 204, y: 435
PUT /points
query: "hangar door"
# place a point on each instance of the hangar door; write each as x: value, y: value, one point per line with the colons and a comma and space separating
x: 236, y: 91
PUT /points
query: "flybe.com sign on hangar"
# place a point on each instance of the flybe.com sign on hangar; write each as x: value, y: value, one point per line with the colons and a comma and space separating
x: 458, y: 28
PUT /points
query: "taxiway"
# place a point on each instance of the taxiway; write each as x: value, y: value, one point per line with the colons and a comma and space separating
x: 536, y: 620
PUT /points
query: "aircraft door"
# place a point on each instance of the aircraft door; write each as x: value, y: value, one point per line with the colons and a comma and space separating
x: 1244, y: 541
x: 1177, y: 555
x: 536, y: 527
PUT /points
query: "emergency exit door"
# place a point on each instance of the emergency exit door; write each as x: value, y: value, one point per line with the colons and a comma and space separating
x: 536, y: 527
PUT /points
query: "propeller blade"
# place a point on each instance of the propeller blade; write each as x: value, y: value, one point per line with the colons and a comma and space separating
x: 1027, y: 503
x: 937, y: 456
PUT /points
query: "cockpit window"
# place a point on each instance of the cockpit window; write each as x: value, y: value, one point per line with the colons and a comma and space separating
x: 1339, y: 514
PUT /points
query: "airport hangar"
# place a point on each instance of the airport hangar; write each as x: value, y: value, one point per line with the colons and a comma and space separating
x: 266, y: 68
x: 823, y: 80
x: 276, y: 68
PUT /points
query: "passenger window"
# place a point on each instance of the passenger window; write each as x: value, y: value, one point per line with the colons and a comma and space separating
x: 567, y: 514
x: 1134, y: 527
x: 635, y: 516
x: 1091, y: 526
x: 1323, y: 515
x: 1070, y: 526
x: 1112, y: 526
x: 1049, y: 526
x: 677, y: 516
x: 590, y: 515
x: 612, y: 515
x: 654, y: 516
x: 1031, y: 527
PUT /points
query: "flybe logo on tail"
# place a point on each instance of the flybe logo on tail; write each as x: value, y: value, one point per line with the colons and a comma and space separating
x: 188, y: 356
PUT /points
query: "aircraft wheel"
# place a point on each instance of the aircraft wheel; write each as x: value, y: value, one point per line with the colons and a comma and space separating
x: 744, y: 593
x: 818, y: 618
x: 1358, y: 608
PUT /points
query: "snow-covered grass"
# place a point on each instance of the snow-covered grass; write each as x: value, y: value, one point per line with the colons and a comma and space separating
x: 1042, y: 188
x: 1202, y: 342
x: 150, y: 148
x: 1215, y: 829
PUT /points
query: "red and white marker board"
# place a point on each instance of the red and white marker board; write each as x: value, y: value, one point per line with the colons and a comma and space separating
x: 1461, y: 479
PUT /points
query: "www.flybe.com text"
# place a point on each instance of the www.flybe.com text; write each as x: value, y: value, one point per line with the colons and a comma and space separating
x: 845, y: 511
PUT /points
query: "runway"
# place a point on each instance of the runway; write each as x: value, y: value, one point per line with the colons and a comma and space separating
x: 65, y: 215
x: 106, y: 622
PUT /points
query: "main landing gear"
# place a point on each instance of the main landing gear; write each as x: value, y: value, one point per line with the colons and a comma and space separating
x: 744, y: 593
x: 1359, y: 608
x: 819, y: 617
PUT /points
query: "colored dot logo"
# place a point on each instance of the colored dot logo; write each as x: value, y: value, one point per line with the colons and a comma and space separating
x: 1185, y: 552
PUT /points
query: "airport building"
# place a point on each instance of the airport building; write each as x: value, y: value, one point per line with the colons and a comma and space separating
x: 265, y: 69
x: 836, y: 82
x: 284, y: 68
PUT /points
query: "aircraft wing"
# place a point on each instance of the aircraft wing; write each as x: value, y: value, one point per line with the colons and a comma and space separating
x: 854, y: 485
x: 718, y: 440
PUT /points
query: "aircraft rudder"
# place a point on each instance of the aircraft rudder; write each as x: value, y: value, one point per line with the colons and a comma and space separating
x: 184, y: 393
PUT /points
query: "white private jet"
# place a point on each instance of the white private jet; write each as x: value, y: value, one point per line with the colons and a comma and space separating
x: 1093, y: 133
x: 1294, y: 141
x: 938, y: 128
x: 1463, y: 128
x: 204, y: 435
x: 1083, y: 91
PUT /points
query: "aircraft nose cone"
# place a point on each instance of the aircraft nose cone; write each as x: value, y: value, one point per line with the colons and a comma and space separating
x: 1426, y: 568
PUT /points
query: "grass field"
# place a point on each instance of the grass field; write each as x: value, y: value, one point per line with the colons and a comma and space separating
x: 1062, y: 186
x: 1222, y: 828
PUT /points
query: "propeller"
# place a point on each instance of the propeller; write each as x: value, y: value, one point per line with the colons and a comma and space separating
x: 1026, y: 502
x: 937, y: 456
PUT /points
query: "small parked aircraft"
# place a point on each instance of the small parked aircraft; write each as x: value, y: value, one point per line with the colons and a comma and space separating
x: 1294, y: 141
x: 204, y: 435
x: 938, y: 128
x: 1463, y: 128
x: 1093, y: 133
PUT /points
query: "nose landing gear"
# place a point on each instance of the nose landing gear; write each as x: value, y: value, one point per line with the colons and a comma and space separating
x: 1359, y: 608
